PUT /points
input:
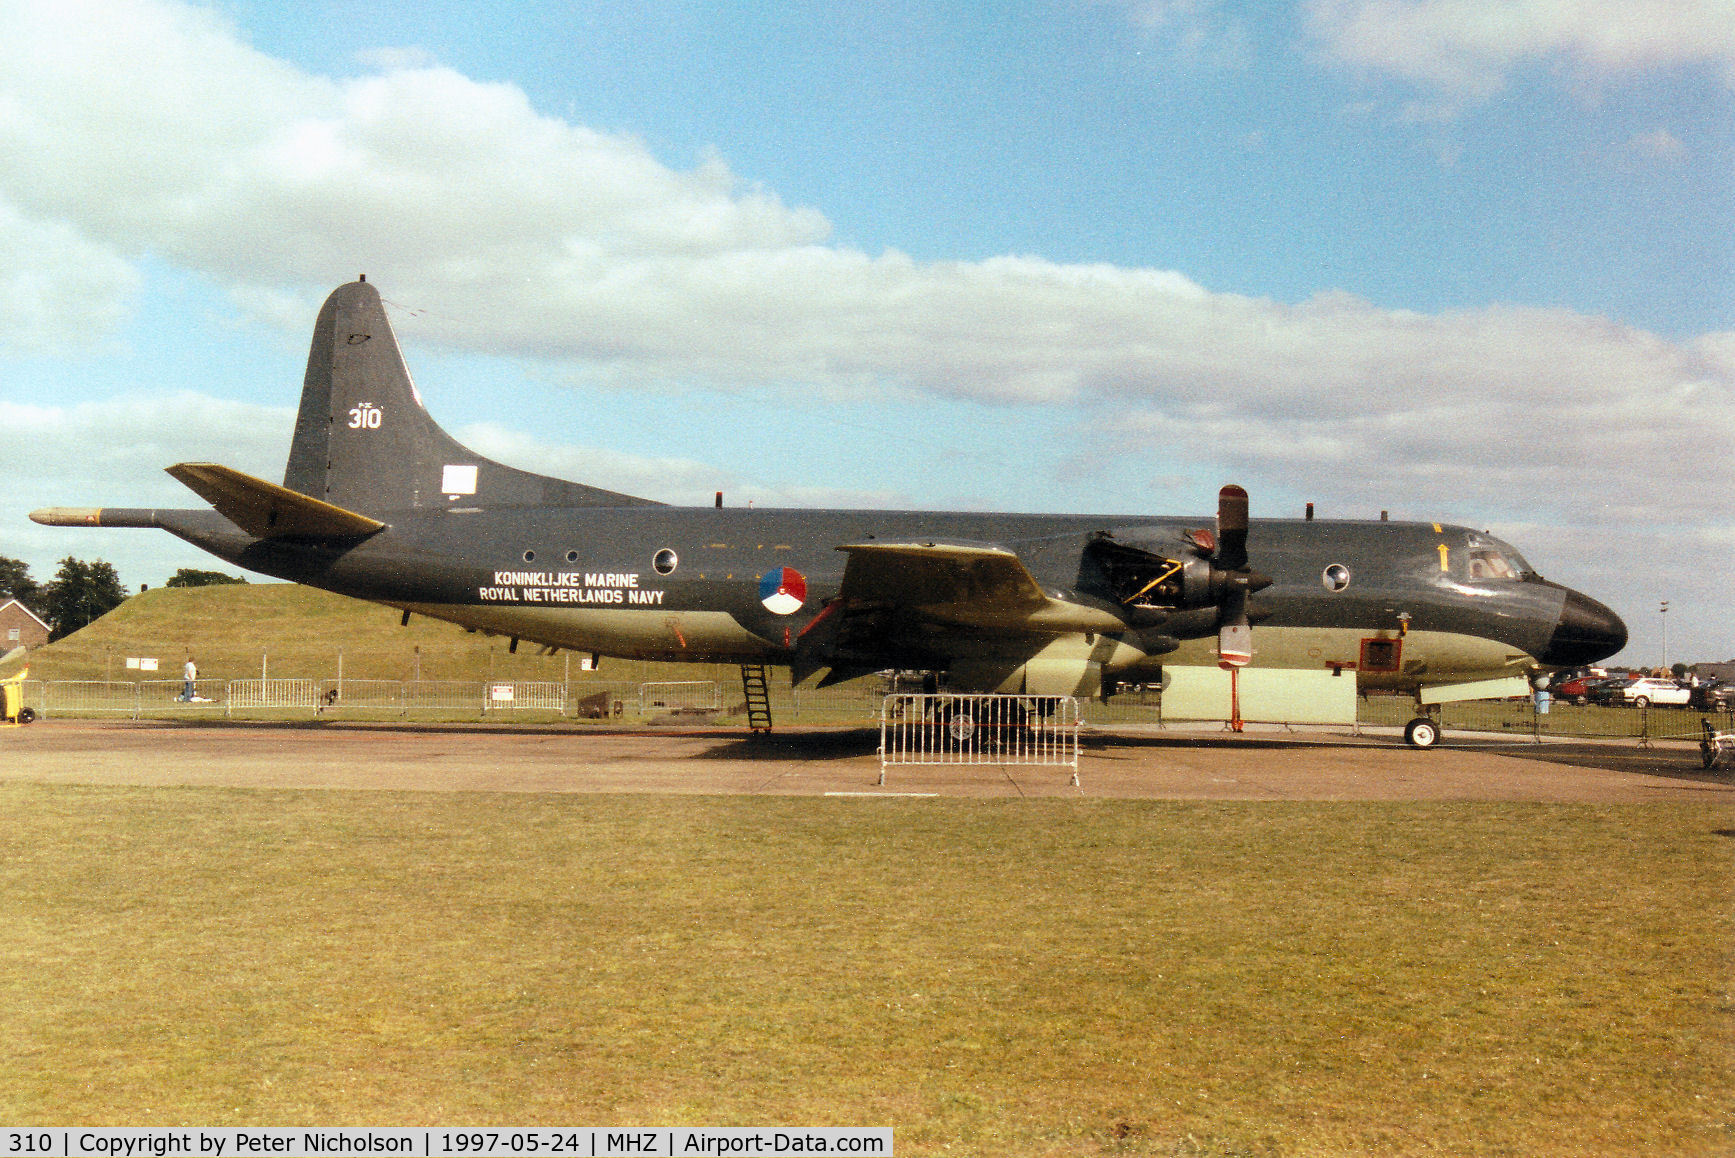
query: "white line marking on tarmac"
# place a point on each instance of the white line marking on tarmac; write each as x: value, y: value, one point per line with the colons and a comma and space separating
x: 925, y: 794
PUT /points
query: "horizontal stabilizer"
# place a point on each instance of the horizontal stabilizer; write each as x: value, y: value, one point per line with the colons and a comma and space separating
x: 268, y: 511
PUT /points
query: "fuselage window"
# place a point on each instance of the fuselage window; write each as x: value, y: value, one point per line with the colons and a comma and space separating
x: 530, y: 556
x: 572, y: 556
x: 1336, y: 577
x: 665, y: 561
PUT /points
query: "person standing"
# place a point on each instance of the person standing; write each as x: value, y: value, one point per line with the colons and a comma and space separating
x: 188, y: 675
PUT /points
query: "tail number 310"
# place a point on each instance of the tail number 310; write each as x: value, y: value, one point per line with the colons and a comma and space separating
x: 365, y: 417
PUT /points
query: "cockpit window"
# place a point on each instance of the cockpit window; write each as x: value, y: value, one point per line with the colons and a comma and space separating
x: 1490, y: 559
x: 1487, y: 563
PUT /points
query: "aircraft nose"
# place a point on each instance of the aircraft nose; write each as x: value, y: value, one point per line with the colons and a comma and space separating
x: 1587, y: 632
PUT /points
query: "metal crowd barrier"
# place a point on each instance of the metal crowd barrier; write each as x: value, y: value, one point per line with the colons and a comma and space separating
x: 273, y: 694
x: 682, y: 695
x: 943, y: 728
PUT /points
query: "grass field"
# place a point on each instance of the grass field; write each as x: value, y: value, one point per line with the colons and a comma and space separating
x: 1030, y: 977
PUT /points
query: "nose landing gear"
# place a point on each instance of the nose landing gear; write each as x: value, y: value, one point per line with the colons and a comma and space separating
x: 1422, y: 732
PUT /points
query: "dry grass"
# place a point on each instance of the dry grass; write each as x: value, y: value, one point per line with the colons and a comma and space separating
x: 1041, y: 977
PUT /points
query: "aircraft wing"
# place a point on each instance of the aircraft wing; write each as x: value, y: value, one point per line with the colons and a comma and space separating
x: 266, y: 510
x: 962, y: 585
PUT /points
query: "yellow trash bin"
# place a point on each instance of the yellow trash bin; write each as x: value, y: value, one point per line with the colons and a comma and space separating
x: 12, y: 700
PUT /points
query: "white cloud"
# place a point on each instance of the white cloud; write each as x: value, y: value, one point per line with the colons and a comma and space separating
x: 58, y: 290
x: 1658, y: 145
x: 112, y: 453
x: 681, y: 481
x: 1206, y: 32
x: 1467, y: 48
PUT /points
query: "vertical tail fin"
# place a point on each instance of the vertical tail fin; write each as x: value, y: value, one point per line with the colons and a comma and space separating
x: 364, y: 442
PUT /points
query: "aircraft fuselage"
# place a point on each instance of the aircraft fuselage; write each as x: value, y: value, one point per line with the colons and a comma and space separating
x: 682, y: 583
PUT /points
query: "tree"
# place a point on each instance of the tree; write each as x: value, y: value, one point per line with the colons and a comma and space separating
x: 79, y: 593
x: 193, y: 577
x: 16, y: 583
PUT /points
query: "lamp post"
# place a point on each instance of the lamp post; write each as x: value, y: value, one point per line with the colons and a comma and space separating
x: 1663, y: 610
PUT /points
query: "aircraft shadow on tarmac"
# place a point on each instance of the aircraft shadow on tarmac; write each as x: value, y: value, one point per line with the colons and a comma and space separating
x: 818, y: 745
x: 792, y: 745
x: 1673, y: 763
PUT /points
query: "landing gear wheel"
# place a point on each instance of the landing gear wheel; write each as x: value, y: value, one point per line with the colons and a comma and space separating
x: 1421, y: 732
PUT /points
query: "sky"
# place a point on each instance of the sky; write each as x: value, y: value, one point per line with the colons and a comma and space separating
x: 1459, y: 260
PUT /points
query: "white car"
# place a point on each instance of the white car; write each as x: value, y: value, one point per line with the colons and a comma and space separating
x: 1642, y: 693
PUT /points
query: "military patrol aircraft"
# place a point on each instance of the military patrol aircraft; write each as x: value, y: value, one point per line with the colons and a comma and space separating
x: 379, y: 503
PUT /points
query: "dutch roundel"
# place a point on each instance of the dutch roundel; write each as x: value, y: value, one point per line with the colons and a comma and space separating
x: 783, y: 590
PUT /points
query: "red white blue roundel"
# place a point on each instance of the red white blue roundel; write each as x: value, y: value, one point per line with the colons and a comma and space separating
x: 783, y: 590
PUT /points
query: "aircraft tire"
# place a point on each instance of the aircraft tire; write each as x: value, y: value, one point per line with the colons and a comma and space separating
x: 1421, y: 732
x: 26, y: 715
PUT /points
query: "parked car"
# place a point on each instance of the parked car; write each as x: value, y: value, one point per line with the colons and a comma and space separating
x: 1712, y: 697
x: 1648, y: 690
x: 1578, y: 689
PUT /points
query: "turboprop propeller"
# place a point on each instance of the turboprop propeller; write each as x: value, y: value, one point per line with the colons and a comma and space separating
x: 1228, y: 579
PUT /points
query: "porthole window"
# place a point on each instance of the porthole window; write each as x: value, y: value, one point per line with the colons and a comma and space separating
x: 530, y: 556
x: 572, y: 556
x: 1336, y: 577
x: 665, y: 561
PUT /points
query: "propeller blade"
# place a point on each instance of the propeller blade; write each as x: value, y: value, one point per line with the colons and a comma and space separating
x: 1232, y: 528
x: 1235, y: 635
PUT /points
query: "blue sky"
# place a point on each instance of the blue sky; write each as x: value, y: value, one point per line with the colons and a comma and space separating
x: 1460, y: 260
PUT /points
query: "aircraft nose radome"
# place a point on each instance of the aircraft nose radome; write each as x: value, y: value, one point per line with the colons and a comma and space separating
x: 1587, y: 632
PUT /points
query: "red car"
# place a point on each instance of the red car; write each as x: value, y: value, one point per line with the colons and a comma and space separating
x: 1577, y: 690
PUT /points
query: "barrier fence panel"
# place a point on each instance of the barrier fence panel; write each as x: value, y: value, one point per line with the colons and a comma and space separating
x: 77, y: 696
x: 683, y: 695
x: 363, y: 695
x: 442, y: 696
x: 532, y: 696
x: 600, y: 699
x: 246, y: 694
x: 917, y: 728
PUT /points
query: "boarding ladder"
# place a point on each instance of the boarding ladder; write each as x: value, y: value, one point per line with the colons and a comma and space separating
x: 758, y: 693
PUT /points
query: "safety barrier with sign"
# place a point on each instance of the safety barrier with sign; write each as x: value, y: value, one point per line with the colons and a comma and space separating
x: 533, y: 696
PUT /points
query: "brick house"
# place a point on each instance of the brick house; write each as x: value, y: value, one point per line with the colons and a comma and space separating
x: 20, y: 627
